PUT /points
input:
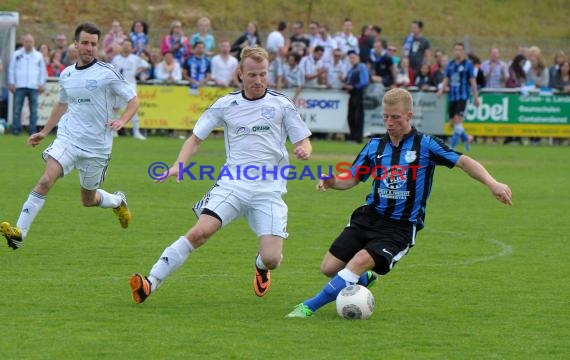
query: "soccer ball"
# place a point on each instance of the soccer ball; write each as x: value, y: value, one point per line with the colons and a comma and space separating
x: 355, y: 302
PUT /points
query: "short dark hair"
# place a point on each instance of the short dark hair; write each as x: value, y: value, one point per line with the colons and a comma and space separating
x: 144, y: 25
x: 281, y: 26
x: 198, y: 43
x: 377, y: 28
x: 459, y: 44
x: 89, y: 28
x: 419, y: 23
x: 319, y: 48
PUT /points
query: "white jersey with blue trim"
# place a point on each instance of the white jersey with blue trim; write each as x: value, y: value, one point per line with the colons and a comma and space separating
x: 90, y: 92
x: 255, y: 133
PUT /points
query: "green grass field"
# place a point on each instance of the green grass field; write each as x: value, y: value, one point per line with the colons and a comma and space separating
x: 485, y: 281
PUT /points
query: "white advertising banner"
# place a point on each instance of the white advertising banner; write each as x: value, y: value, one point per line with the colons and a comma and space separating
x: 324, y: 110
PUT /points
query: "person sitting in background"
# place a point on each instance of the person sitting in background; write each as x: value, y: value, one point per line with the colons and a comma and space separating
x: 293, y: 77
x: 205, y: 36
x: 60, y: 41
x: 538, y: 73
x: 298, y: 40
x: 559, y: 59
x: 168, y: 70
x: 439, y: 75
x: 275, y: 71
x: 72, y: 55
x: 113, y: 41
x: 337, y: 71
x: 313, y: 68
x: 422, y: 79
x: 55, y: 67
x: 562, y: 78
x: 139, y: 37
x: 176, y: 42
x: 404, y: 74
x: 516, y: 79
x: 249, y: 38
x: 495, y: 70
x: 392, y: 50
x: 197, y: 67
x: 381, y: 65
x: 517, y: 75
x: 224, y: 66
x: 437, y: 54
x: 45, y: 51
x: 146, y: 74
x: 477, y: 73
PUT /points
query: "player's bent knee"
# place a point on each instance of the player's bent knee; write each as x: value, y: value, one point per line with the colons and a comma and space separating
x: 271, y: 261
x: 363, y: 259
x: 198, y: 236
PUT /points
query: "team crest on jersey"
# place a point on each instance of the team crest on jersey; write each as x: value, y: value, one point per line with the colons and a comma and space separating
x: 268, y: 112
x: 91, y: 84
x: 410, y: 156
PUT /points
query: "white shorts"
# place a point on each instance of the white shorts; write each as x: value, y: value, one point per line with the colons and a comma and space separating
x: 92, y: 167
x: 266, y: 212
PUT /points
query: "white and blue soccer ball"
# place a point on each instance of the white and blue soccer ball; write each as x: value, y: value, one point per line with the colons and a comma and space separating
x: 355, y: 302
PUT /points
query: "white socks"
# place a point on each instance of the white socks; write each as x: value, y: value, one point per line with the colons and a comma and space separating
x: 31, y: 208
x: 348, y: 276
x: 108, y: 200
x: 170, y: 260
x: 260, y: 265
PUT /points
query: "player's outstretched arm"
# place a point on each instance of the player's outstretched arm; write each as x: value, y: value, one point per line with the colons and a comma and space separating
x: 337, y: 182
x: 189, y: 148
x: 130, y: 111
x: 303, y: 149
x: 500, y: 191
x: 56, y: 113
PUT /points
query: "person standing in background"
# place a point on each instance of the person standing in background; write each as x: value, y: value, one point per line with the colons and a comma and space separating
x: 27, y: 75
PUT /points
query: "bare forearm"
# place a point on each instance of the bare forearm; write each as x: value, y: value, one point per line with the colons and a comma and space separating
x: 189, y: 148
x: 57, y: 112
x: 344, y: 184
x: 131, y: 109
x: 474, y: 169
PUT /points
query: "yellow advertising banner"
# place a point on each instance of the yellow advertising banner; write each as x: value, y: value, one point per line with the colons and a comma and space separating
x: 522, y: 130
x: 174, y: 107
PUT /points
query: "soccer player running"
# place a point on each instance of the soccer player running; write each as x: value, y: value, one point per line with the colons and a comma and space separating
x: 84, y: 135
x: 380, y: 233
x: 460, y: 76
x: 256, y: 123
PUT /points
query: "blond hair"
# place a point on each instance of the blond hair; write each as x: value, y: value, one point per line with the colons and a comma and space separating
x: 256, y: 53
x: 398, y: 96
x: 203, y: 21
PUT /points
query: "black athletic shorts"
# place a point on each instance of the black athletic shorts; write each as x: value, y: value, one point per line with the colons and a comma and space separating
x: 456, y: 108
x: 386, y: 240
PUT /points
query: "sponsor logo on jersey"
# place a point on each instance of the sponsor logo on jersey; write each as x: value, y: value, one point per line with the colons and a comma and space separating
x: 260, y: 129
x: 80, y: 100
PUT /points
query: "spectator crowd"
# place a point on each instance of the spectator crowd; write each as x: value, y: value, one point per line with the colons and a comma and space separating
x: 300, y: 57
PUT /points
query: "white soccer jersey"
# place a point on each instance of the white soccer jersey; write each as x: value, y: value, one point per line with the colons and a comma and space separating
x: 90, y: 93
x: 310, y: 67
x: 255, y: 132
x: 128, y: 66
x: 223, y: 70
